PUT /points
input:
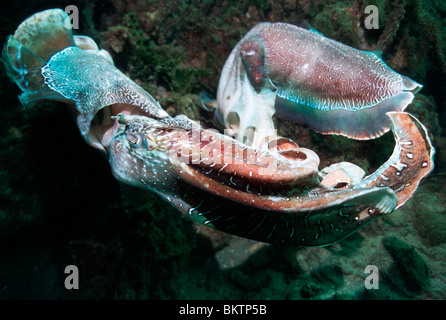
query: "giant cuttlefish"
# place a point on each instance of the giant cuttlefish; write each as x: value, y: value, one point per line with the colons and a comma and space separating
x: 271, y: 194
x: 303, y: 76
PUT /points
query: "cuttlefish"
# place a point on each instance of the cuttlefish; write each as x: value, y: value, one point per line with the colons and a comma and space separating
x: 273, y: 197
x: 47, y: 62
x: 271, y: 194
x: 282, y: 69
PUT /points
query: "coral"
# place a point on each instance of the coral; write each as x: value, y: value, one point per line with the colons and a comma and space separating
x: 338, y: 23
x: 88, y: 18
x: 115, y: 37
x: 434, y: 26
x: 310, y: 290
x: 329, y: 277
x: 440, y: 5
x: 426, y: 110
x: 413, y: 40
x: 161, y: 64
x: 431, y: 221
x: 409, y: 273
x: 392, y: 25
x: 187, y: 104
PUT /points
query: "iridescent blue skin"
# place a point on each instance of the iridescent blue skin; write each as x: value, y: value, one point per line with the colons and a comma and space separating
x: 272, y: 196
x: 63, y: 67
x: 306, y: 77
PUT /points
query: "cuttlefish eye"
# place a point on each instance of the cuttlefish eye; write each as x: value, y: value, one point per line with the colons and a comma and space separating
x: 137, y: 140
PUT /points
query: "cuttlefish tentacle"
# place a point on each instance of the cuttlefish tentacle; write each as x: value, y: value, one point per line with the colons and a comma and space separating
x: 247, y: 206
x: 306, y: 77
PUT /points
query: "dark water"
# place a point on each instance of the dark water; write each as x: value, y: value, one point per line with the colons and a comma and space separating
x: 60, y: 205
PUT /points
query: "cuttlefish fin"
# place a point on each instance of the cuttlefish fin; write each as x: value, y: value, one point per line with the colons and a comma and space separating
x: 315, y: 227
x: 364, y: 124
x: 411, y: 161
x: 307, y: 26
x: 32, y: 45
x: 378, y: 53
x: 23, y: 67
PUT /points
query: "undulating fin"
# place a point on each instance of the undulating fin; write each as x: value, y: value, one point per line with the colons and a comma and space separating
x: 411, y: 85
x: 317, y: 227
x: 378, y: 53
x: 365, y: 124
x: 32, y: 45
x: 23, y: 67
x: 361, y: 124
x: 309, y: 27
x: 411, y: 161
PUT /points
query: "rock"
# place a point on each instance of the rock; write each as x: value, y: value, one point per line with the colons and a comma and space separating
x: 409, y: 273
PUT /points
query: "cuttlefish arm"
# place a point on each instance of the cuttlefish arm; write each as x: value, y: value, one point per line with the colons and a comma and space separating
x: 272, y: 199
